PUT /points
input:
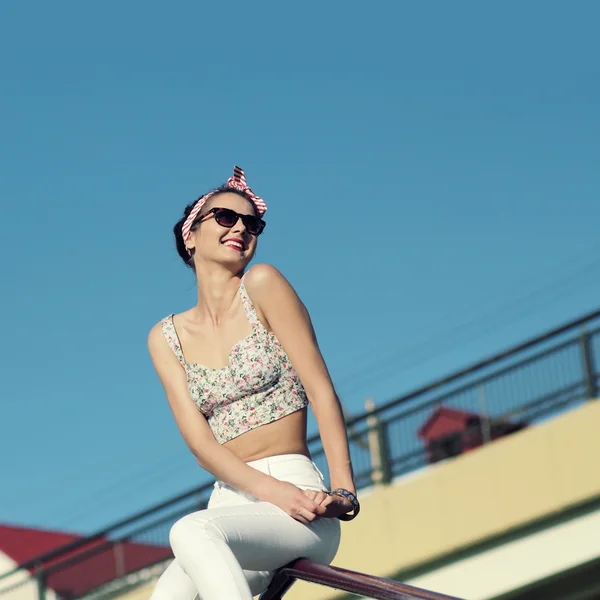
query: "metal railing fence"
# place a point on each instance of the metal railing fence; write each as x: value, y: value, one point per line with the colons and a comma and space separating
x: 510, y: 390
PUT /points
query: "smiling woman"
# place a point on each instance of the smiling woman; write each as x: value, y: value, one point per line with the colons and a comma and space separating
x: 239, y: 370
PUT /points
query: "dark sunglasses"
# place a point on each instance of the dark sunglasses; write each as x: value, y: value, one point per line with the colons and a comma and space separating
x: 228, y: 218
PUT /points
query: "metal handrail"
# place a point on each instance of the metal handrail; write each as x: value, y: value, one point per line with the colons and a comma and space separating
x: 345, y: 580
x: 478, y: 366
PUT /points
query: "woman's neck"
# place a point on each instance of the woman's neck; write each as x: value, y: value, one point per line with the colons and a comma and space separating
x: 217, y: 289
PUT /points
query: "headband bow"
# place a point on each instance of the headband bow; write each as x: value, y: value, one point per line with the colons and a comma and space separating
x: 237, y: 181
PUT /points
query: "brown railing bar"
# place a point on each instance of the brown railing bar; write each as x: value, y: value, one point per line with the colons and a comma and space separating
x: 345, y: 580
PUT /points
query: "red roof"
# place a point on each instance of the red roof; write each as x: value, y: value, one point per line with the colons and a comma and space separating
x: 22, y: 543
x: 117, y: 559
x: 445, y: 420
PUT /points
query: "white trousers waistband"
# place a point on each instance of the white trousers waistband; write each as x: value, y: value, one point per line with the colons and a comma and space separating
x: 293, y: 468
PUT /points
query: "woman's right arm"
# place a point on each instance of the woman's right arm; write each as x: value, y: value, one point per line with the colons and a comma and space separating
x: 211, y: 455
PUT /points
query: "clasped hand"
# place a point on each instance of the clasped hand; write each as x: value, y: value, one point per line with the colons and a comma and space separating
x: 307, y: 505
x: 334, y: 505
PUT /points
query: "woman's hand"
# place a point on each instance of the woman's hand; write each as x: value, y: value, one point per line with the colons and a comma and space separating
x: 293, y: 501
x: 334, y: 505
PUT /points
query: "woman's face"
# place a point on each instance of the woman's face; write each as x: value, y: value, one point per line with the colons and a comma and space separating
x: 227, y: 245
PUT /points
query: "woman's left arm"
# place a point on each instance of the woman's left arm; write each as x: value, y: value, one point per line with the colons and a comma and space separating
x: 290, y: 322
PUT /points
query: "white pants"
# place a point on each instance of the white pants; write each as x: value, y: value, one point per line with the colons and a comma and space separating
x: 230, y: 550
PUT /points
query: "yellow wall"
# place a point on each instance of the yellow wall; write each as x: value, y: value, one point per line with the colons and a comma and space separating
x: 453, y: 504
x: 140, y: 593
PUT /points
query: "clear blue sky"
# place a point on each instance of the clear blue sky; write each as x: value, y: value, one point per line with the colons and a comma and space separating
x: 432, y: 174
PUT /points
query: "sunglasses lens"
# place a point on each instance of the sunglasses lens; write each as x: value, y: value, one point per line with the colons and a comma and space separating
x: 226, y: 217
x: 254, y: 225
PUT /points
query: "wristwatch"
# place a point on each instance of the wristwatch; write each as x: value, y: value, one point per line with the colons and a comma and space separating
x: 353, y: 500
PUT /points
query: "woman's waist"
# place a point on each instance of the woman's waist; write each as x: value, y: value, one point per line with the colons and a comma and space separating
x: 298, y: 469
x: 287, y: 435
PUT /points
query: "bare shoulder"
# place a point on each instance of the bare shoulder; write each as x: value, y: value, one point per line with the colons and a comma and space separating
x: 271, y: 292
x: 263, y: 276
x: 156, y: 334
x: 163, y: 356
x: 266, y: 286
x: 156, y: 338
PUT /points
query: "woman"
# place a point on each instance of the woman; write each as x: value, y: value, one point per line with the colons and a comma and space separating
x: 239, y: 370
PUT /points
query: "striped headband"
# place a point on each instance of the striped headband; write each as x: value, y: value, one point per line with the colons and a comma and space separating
x: 236, y: 181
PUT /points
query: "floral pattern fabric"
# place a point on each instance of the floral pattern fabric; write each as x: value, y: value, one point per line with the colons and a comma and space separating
x: 258, y: 385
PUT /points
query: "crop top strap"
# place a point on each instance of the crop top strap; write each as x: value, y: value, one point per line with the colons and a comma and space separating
x: 248, y: 306
x: 170, y: 333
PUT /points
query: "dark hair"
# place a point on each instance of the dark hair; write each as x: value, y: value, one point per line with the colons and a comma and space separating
x: 177, y: 229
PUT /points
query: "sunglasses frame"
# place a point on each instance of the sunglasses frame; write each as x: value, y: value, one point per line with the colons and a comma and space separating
x: 261, y: 222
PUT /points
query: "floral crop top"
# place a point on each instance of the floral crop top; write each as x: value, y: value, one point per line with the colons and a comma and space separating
x: 258, y: 386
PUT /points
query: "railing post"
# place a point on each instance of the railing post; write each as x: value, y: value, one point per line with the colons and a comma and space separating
x: 280, y: 584
x: 486, y: 426
x: 119, y: 555
x: 41, y: 585
x: 378, y: 446
x: 589, y: 372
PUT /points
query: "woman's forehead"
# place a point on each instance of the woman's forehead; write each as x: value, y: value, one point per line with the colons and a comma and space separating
x: 231, y: 200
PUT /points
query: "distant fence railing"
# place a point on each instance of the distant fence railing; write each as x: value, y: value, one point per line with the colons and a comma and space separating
x: 498, y: 395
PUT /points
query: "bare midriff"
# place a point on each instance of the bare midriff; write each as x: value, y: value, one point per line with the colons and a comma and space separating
x: 284, y: 436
